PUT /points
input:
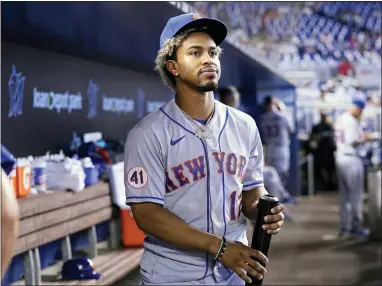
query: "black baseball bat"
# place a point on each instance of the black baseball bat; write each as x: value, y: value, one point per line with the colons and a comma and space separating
x: 261, y: 240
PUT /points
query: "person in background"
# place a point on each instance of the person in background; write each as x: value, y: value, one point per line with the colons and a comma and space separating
x: 346, y: 68
x: 350, y: 170
x: 275, y: 129
x: 322, y: 145
x: 9, y: 222
x: 230, y: 96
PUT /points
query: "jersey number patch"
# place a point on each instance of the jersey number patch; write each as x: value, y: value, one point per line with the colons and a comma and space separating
x: 272, y: 130
x: 137, y: 177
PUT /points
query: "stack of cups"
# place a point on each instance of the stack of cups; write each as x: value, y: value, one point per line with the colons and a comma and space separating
x: 91, y: 173
x: 39, y: 174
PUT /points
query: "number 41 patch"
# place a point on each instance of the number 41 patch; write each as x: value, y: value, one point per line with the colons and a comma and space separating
x: 137, y: 177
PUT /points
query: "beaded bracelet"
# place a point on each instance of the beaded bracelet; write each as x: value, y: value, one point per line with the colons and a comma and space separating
x: 223, y: 246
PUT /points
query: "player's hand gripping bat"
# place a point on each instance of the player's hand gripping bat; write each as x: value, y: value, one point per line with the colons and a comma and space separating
x: 261, y: 239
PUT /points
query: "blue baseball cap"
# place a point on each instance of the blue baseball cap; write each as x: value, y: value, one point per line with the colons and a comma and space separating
x: 215, y: 28
x: 79, y: 269
x: 359, y: 103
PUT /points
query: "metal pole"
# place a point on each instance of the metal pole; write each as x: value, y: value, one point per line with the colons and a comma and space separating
x: 66, y: 248
x: 374, y: 202
x: 310, y: 175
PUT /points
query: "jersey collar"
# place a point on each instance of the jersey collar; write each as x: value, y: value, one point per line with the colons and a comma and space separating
x: 176, y: 114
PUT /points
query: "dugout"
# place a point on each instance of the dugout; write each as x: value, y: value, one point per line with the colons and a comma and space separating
x: 100, y: 55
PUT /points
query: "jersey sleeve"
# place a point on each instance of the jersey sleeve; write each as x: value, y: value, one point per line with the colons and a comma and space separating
x: 253, y: 175
x: 144, y: 171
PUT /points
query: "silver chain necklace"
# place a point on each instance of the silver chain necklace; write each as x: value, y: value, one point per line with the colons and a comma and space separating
x: 202, y: 131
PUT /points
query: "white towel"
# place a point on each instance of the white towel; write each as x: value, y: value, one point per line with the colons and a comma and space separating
x: 67, y: 174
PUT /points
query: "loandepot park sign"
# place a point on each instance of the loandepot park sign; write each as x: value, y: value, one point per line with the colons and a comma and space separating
x: 74, y: 101
x: 57, y: 101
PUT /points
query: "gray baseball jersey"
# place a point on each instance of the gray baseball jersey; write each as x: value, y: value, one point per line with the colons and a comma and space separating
x: 275, y: 128
x: 350, y: 173
x: 199, y: 180
x: 347, y: 130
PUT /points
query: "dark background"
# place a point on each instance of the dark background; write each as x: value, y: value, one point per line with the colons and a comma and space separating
x: 115, y: 44
x: 37, y: 129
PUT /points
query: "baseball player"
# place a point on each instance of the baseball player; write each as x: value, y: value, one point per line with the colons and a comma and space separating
x: 350, y: 170
x: 275, y: 129
x: 193, y: 169
x: 230, y: 96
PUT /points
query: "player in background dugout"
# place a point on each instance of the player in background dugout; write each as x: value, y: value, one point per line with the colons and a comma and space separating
x: 193, y: 169
x: 350, y: 170
x: 276, y: 129
x: 231, y: 96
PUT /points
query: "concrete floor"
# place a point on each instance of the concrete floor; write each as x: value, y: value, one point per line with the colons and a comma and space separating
x: 299, y: 254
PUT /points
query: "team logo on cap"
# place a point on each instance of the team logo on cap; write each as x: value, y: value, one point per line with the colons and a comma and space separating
x: 195, y: 16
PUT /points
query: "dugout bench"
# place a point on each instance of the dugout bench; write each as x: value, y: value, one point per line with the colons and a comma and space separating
x: 50, y: 216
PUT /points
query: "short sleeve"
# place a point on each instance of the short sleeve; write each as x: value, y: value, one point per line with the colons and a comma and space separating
x: 253, y: 176
x: 144, y: 171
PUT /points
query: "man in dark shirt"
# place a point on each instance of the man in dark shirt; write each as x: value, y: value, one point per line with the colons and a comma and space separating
x: 322, y: 145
